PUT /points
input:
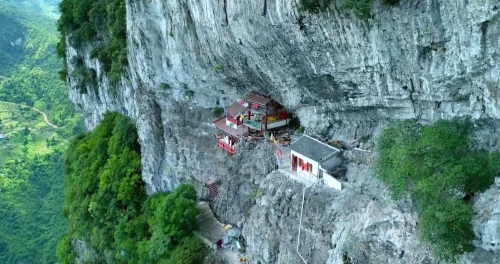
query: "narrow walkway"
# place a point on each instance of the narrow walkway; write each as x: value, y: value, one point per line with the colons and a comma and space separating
x: 212, y: 230
x: 231, y: 256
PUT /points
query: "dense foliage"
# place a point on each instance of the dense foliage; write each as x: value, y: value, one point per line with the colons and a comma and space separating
x: 439, y: 166
x: 31, y: 223
x: 29, y: 71
x: 106, y: 203
x: 88, y: 22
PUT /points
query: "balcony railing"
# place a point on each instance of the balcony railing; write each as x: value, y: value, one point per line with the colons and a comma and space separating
x: 234, y: 120
x: 225, y: 146
x: 277, y: 117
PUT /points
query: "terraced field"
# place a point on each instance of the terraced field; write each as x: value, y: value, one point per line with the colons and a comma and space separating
x: 24, y: 127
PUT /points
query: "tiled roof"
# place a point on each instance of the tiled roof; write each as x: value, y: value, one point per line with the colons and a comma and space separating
x: 221, y: 124
x: 312, y: 148
x: 236, y: 109
x: 331, y: 164
x: 253, y: 98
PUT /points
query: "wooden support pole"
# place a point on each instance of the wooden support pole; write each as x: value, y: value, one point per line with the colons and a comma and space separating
x: 265, y: 120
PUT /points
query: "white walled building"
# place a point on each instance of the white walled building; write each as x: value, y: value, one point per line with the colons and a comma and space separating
x: 312, y: 158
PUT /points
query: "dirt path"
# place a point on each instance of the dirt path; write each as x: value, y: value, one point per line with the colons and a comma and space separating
x: 4, y: 77
x: 45, y: 119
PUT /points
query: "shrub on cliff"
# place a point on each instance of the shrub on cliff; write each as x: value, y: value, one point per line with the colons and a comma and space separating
x: 439, y: 166
x: 218, y: 111
x: 313, y: 6
x: 361, y: 8
x: 88, y: 22
x: 106, y: 204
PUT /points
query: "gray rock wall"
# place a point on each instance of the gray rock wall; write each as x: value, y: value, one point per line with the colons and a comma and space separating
x: 424, y: 59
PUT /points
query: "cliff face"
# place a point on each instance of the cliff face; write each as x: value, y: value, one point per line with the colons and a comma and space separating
x: 342, y: 76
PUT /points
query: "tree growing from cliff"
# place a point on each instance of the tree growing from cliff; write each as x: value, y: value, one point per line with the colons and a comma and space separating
x: 439, y: 166
x: 88, y: 22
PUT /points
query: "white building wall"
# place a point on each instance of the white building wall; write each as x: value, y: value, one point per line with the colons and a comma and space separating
x: 315, y: 165
x: 331, y: 181
x: 232, y: 125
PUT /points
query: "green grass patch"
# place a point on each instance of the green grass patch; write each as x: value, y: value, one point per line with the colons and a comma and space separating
x: 218, y: 67
x: 164, y: 86
x: 438, y: 166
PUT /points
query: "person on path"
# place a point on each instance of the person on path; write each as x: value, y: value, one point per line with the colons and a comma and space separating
x: 219, y: 244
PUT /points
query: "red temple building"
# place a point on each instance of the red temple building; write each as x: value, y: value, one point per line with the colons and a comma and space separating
x: 250, y: 116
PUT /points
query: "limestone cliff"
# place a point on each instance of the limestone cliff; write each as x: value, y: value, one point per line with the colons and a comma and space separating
x: 424, y: 59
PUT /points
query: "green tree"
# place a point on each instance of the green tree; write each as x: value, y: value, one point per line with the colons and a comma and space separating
x: 438, y: 165
x: 88, y: 21
x: 176, y: 215
x: 190, y: 251
x: 106, y: 203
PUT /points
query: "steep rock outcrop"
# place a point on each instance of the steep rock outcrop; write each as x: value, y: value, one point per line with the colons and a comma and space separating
x: 342, y: 76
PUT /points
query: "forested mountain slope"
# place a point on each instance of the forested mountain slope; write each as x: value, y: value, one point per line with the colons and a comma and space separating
x: 31, y: 177
x: 30, y: 187
x: 30, y: 69
x: 45, y: 7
